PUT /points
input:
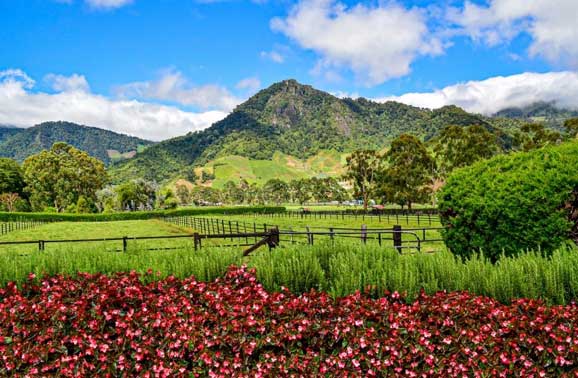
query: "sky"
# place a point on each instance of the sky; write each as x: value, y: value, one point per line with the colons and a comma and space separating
x: 161, y: 68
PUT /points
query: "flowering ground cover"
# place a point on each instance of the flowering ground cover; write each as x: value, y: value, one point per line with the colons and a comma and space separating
x: 122, y: 325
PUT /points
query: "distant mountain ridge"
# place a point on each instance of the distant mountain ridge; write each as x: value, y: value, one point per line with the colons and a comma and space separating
x: 6, y: 131
x: 297, y: 120
x: 105, y: 145
x: 547, y: 113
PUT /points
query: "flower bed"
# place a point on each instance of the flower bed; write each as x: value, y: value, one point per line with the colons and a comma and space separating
x: 107, y: 326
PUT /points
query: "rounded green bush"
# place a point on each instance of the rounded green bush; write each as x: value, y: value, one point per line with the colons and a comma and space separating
x: 512, y: 203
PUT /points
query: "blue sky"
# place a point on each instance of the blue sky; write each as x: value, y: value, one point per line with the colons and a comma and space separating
x: 160, y: 68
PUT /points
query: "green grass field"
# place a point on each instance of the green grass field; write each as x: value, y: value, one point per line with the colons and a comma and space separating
x: 93, y: 230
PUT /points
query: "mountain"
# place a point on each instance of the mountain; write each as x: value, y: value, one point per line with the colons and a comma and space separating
x: 295, y: 120
x: 6, y: 131
x: 547, y: 113
x: 105, y: 145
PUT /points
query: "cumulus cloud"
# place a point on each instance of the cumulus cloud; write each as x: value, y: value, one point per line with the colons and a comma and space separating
x: 376, y: 43
x: 174, y: 87
x: 551, y: 25
x: 494, y: 94
x: 21, y: 106
x: 250, y: 84
x: 62, y: 83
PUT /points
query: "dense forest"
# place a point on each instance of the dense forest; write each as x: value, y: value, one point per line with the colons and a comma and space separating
x: 300, y: 121
x: 8, y: 131
x: 105, y: 145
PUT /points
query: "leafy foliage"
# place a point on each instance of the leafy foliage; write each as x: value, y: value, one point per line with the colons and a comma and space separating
x: 11, y: 177
x: 511, y: 203
x: 60, y: 176
x: 408, y: 176
x: 363, y: 168
x: 96, y: 142
x: 458, y: 146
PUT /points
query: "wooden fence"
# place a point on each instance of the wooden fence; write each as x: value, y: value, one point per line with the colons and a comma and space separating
x: 17, y: 225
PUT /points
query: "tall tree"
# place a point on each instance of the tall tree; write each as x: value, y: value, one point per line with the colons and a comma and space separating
x: 458, y: 146
x: 137, y: 194
x: 60, y: 176
x: 183, y: 194
x: 11, y: 177
x: 535, y: 135
x: 276, y: 191
x: 409, y: 174
x: 362, y: 170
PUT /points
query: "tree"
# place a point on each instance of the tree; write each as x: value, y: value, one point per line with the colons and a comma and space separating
x: 571, y: 127
x: 409, y: 174
x: 137, y: 195
x: 11, y: 177
x: 535, y: 135
x: 183, y: 194
x: 299, y: 191
x: 9, y: 201
x: 232, y: 193
x: 60, y: 176
x: 276, y: 191
x: 458, y: 146
x: 362, y: 170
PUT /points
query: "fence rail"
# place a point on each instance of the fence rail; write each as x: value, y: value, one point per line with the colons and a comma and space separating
x: 19, y: 224
x: 390, y: 217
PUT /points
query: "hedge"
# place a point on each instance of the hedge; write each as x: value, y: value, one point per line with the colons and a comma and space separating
x: 512, y: 203
x: 138, y: 215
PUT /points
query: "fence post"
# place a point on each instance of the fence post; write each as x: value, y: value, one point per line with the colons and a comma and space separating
x: 397, y: 238
x: 124, y: 243
x: 309, y: 236
x: 364, y: 233
x: 331, y: 233
x: 196, y: 240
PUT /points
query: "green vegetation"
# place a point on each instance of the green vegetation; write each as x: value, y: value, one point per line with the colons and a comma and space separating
x: 8, y: 131
x: 63, y: 178
x: 105, y: 145
x: 512, y: 203
x: 140, y: 215
x: 295, y: 120
x: 340, y: 269
x: 409, y: 173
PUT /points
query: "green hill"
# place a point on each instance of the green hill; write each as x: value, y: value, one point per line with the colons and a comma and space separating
x: 543, y: 112
x: 295, y: 120
x: 106, y: 145
x: 8, y: 131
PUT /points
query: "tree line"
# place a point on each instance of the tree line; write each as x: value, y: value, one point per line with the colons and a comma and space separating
x: 66, y: 179
x: 411, y: 171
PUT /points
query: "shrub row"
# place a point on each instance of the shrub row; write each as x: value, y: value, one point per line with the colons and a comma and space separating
x: 339, y: 270
x: 113, y: 326
x: 139, y: 215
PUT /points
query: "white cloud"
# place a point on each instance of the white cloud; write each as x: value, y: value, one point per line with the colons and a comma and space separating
x: 173, y: 87
x: 107, y: 4
x: 20, y: 106
x: 273, y: 55
x: 494, y: 94
x: 376, y: 43
x: 551, y: 24
x: 62, y: 83
x: 250, y: 84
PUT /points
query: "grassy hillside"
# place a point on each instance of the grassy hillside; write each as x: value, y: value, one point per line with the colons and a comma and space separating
x: 105, y: 145
x: 281, y: 166
x: 295, y: 120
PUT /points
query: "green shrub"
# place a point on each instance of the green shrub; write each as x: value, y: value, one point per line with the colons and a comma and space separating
x: 139, y: 215
x: 511, y: 203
